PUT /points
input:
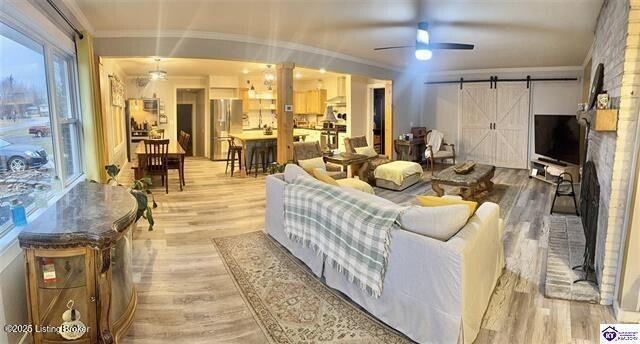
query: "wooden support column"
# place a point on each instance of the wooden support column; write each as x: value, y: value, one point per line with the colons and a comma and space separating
x: 284, y: 88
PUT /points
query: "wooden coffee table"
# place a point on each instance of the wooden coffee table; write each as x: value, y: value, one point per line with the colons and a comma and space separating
x: 475, y: 185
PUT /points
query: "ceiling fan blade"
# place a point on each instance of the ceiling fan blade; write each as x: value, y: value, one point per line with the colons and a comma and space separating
x: 398, y: 47
x: 456, y: 46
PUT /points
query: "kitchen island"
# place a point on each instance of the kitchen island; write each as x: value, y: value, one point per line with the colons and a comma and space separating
x: 249, y: 139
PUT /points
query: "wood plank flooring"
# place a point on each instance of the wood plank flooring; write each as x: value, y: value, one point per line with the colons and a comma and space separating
x: 186, y: 294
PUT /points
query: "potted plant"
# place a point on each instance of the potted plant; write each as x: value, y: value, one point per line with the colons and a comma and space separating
x: 140, y: 189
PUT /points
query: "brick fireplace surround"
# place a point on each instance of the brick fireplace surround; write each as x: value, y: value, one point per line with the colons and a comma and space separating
x: 617, y: 46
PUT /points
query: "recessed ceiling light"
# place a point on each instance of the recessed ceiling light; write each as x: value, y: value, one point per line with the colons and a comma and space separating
x: 298, y: 75
x: 322, y: 70
x: 245, y: 71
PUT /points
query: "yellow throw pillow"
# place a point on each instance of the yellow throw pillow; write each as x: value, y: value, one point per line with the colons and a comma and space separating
x: 435, y: 201
x: 323, y: 176
x: 368, y: 151
x: 356, y: 184
x: 310, y: 164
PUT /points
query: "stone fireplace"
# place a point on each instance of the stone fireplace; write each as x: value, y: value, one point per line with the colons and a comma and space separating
x: 617, y: 38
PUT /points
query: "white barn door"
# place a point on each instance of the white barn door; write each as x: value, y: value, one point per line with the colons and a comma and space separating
x: 494, y: 124
x: 477, y: 112
x: 512, y: 125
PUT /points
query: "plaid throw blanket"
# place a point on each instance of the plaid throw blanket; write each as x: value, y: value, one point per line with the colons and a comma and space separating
x: 351, y: 233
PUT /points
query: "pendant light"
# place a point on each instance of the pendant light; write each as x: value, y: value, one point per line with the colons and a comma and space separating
x: 269, y: 77
x: 158, y: 74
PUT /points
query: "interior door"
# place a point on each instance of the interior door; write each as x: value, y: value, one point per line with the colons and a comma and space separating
x: 185, y: 123
x: 477, y: 113
x: 512, y: 125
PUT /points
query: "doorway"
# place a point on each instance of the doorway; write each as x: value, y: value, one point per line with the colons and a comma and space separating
x: 185, y: 118
x: 378, y: 132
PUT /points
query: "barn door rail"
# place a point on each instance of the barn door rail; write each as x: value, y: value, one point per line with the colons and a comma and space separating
x: 493, y: 81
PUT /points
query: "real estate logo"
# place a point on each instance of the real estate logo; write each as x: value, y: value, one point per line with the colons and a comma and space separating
x: 628, y: 333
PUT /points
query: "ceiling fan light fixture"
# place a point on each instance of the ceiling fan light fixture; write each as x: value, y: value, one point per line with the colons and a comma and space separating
x: 423, y: 54
x: 422, y: 35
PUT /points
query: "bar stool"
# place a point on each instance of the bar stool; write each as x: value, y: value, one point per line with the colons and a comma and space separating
x: 564, y: 188
x: 260, y: 152
x: 234, y: 150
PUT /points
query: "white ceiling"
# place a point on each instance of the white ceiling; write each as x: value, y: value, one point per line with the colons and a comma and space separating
x: 200, y: 67
x: 506, y: 33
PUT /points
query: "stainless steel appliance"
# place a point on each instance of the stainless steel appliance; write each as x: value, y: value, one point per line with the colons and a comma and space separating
x: 226, y: 118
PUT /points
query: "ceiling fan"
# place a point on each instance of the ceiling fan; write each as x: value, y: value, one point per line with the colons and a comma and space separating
x: 424, y: 48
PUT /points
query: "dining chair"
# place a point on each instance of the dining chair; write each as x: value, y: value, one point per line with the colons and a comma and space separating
x: 155, y: 161
x: 177, y: 163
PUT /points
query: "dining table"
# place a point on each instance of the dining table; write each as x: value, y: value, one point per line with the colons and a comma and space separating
x: 174, y: 151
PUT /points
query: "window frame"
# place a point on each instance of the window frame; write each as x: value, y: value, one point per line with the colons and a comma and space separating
x: 56, y: 120
x: 51, y: 49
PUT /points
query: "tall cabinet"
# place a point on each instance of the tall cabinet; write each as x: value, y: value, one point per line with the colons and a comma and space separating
x: 494, y: 123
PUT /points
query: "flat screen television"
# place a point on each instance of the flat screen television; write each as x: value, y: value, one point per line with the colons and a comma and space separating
x: 557, y: 137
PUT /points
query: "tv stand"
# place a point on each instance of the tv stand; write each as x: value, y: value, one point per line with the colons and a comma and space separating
x: 548, y: 171
x: 554, y: 162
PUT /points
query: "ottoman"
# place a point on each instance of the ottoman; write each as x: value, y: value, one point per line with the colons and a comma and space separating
x: 397, y: 175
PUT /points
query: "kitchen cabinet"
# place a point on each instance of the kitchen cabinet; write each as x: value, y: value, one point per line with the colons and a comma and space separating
x: 244, y: 96
x: 316, y: 101
x: 299, y: 102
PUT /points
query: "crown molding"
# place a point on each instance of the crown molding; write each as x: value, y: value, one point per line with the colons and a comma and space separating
x: 240, y: 39
x: 72, y: 5
x: 505, y: 70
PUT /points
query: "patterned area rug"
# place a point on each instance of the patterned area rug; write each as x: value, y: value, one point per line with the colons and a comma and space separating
x: 289, y: 302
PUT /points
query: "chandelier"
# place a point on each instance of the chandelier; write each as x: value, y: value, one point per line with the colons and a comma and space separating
x: 269, y: 77
x: 158, y: 74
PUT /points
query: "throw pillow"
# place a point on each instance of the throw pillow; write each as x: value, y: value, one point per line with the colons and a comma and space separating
x: 355, y: 184
x: 440, y: 223
x: 368, y: 151
x: 309, y: 164
x: 291, y: 171
x: 434, y: 201
x: 324, y: 177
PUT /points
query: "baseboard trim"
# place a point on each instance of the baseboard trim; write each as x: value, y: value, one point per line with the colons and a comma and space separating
x: 624, y: 315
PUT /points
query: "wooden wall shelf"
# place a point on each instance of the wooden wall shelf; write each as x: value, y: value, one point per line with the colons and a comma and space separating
x: 601, y: 120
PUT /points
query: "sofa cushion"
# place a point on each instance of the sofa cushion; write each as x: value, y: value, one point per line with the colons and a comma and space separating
x: 309, y: 164
x: 435, y: 201
x: 440, y: 223
x: 291, y: 171
x: 323, y: 176
x: 356, y: 184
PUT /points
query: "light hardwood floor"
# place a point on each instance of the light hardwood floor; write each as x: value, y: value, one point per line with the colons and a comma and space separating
x: 186, y: 295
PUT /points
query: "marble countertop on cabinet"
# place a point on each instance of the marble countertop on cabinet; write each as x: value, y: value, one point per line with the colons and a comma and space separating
x: 90, y: 214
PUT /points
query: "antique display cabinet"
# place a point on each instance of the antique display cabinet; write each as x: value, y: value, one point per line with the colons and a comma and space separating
x: 78, y: 266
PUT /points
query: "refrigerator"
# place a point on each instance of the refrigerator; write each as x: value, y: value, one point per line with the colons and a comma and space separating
x: 226, y: 118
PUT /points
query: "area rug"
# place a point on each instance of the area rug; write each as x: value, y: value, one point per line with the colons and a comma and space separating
x: 289, y: 303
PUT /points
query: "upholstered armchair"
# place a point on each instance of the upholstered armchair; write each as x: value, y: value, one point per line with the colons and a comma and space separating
x: 447, y: 151
x: 366, y: 170
x: 310, y: 150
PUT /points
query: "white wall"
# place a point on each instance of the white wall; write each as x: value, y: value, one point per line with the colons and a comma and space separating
x: 166, y: 91
x: 357, y: 117
x: 440, y: 102
x: 114, y: 116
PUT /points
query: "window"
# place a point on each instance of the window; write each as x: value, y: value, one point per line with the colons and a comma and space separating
x: 39, y: 122
x: 68, y: 118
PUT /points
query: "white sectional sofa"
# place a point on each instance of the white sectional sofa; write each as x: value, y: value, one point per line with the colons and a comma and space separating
x: 434, y: 291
